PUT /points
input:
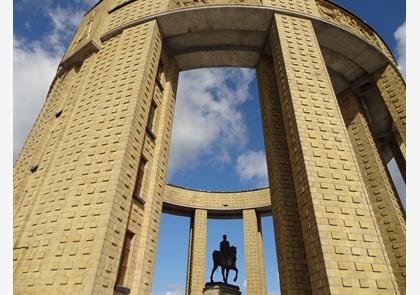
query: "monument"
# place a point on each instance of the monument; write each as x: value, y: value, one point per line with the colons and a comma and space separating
x: 89, y: 184
x: 226, y: 259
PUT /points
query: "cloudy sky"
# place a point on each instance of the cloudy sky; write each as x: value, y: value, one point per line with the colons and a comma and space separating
x: 217, y: 120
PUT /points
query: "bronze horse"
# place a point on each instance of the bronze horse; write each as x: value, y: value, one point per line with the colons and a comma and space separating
x: 226, y: 262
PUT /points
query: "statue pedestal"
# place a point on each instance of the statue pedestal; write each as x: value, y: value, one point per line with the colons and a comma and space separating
x: 219, y: 288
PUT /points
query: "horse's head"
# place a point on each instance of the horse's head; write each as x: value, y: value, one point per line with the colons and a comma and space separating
x: 233, y: 250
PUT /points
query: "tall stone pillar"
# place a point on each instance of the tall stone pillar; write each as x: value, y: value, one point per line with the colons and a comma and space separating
x: 291, y: 259
x: 344, y: 249
x: 382, y: 196
x: 75, y: 206
x: 254, y: 257
x: 156, y: 147
x: 43, y: 144
x: 41, y: 139
x: 392, y: 88
x: 197, y: 253
x: 190, y: 238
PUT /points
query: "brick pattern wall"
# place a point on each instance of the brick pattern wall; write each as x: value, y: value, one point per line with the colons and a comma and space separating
x: 292, y: 264
x: 217, y: 200
x: 344, y: 250
x: 155, y: 177
x: 36, y: 142
x: 342, y: 18
x: 197, y: 259
x: 135, y: 10
x: 260, y: 247
x: 87, y: 36
x: 192, y: 3
x: 71, y: 212
x: 392, y: 88
x: 188, y: 273
x: 254, y: 257
x: 303, y: 6
x: 42, y: 196
x: 73, y: 233
x: 43, y: 141
x: 142, y: 144
x: 382, y: 196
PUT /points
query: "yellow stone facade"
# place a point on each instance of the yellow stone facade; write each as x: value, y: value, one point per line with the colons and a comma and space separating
x: 291, y: 258
x: 90, y: 182
x: 197, y: 253
x: 254, y: 258
x: 330, y: 192
x: 381, y: 193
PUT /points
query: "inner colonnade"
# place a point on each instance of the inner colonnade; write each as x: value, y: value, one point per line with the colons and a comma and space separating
x: 90, y: 182
x: 201, y: 205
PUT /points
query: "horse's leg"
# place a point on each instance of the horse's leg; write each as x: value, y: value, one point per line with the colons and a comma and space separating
x: 224, y: 274
x: 227, y: 274
x: 236, y: 274
x: 212, y: 272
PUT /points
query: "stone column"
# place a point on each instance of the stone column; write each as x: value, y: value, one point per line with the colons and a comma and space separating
x: 154, y: 182
x: 197, y: 253
x: 254, y: 258
x: 79, y: 205
x: 382, y: 196
x: 343, y: 245
x: 293, y: 268
x: 392, y: 88
x: 190, y: 237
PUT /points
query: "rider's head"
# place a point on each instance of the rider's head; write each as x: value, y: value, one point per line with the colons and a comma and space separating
x: 224, y: 237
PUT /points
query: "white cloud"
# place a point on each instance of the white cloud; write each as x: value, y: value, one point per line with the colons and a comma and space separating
x: 252, y: 166
x: 400, y: 36
x: 172, y: 290
x: 34, y: 68
x: 90, y: 2
x: 64, y: 21
x: 207, y: 119
x: 34, y: 65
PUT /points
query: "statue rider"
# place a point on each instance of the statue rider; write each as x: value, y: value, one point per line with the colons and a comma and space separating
x: 224, y: 248
x: 226, y: 259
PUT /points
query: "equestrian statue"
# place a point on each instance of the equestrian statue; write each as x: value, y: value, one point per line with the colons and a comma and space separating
x: 226, y: 259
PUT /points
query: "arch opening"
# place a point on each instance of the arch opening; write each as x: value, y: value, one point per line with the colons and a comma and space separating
x: 217, y: 140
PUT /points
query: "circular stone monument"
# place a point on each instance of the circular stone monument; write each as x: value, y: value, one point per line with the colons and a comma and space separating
x: 89, y: 184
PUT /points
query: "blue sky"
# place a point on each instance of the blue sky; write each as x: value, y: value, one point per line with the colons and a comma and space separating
x: 217, y: 123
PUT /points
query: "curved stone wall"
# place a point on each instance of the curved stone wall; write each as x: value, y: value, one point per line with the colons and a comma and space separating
x: 212, y: 33
x: 118, y: 15
x: 343, y: 18
x: 217, y: 203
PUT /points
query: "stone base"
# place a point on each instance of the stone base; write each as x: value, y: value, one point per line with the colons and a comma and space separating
x: 219, y: 288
